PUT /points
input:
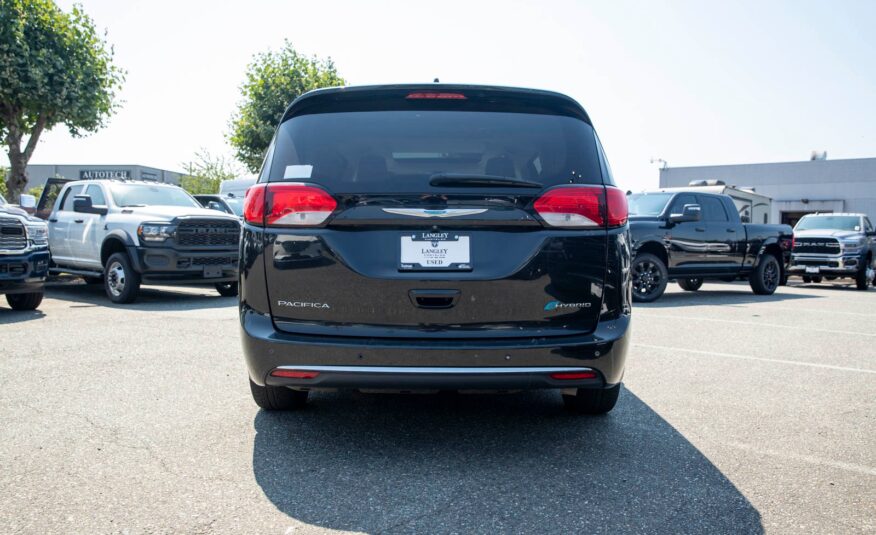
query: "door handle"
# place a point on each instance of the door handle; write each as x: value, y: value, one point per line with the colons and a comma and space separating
x: 434, y: 298
x: 700, y: 229
x: 731, y: 230
x: 78, y: 220
x: 53, y: 220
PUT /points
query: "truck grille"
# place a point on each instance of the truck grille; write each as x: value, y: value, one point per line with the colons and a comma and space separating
x: 12, y: 235
x: 204, y: 233
x: 817, y: 245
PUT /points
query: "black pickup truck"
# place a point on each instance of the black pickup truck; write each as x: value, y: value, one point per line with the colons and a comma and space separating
x: 689, y: 236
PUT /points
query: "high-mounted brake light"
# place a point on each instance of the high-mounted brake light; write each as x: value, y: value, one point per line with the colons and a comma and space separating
x: 434, y: 95
x: 287, y: 204
x: 583, y: 207
x: 294, y: 374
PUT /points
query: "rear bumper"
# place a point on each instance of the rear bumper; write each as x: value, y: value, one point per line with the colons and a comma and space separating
x: 161, y: 265
x: 25, y: 273
x: 498, y: 364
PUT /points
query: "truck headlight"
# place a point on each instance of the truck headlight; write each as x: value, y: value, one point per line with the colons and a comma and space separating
x: 155, y: 232
x: 852, y: 245
x: 38, y: 233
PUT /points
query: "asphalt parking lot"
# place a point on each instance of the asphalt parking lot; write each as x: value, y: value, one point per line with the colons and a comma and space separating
x: 741, y: 414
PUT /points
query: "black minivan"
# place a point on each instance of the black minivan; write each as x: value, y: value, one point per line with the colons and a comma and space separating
x: 435, y: 237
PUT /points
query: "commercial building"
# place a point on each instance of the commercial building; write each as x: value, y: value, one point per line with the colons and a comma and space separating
x: 797, y: 188
x: 37, y: 174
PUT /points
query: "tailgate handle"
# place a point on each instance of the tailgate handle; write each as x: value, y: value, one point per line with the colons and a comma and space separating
x: 434, y: 298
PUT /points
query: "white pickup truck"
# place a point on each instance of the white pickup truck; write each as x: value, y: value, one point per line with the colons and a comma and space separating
x: 127, y: 233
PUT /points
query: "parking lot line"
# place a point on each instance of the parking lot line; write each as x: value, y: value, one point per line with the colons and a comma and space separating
x: 811, y: 459
x: 750, y: 357
x: 754, y: 323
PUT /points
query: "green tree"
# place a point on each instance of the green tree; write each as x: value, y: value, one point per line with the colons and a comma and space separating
x: 206, y: 172
x: 54, y: 69
x: 273, y: 81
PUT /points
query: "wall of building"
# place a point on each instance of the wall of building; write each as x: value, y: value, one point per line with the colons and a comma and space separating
x: 826, y: 185
x: 37, y: 174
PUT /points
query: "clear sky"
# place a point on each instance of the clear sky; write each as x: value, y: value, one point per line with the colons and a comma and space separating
x: 692, y: 82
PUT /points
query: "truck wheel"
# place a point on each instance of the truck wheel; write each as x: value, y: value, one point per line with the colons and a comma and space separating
x: 865, y: 275
x: 690, y: 285
x: 121, y: 282
x: 649, y: 278
x: 227, y: 289
x: 816, y: 280
x: 28, y: 301
x: 277, y: 398
x: 593, y: 400
x: 766, y: 276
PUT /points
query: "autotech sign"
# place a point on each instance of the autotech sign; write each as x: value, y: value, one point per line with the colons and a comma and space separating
x: 88, y: 174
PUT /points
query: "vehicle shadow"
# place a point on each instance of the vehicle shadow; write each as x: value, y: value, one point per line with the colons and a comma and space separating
x: 150, y: 298
x: 479, y: 464
x: 9, y: 316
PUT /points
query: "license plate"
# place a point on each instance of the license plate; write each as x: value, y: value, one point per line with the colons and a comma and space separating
x: 810, y: 269
x: 211, y: 272
x: 430, y: 251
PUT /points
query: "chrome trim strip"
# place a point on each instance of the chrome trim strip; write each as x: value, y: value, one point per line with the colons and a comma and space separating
x: 421, y: 212
x: 415, y: 370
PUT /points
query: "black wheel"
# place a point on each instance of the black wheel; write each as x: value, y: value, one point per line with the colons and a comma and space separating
x: 277, y: 398
x: 690, y: 285
x: 227, y: 289
x: 28, y: 301
x: 807, y: 280
x: 816, y: 280
x: 93, y: 280
x: 830, y: 278
x: 121, y: 282
x: 766, y: 276
x: 593, y: 400
x: 649, y: 278
x: 865, y: 275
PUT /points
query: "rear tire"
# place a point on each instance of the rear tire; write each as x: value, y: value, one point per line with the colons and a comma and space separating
x: 807, y: 280
x: 593, y: 400
x: 28, y: 301
x: 277, y: 398
x: 767, y: 276
x: 649, y: 278
x: 120, y: 281
x: 227, y: 289
x: 690, y: 285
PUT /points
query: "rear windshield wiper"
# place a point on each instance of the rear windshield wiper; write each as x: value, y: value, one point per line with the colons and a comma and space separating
x: 465, y: 180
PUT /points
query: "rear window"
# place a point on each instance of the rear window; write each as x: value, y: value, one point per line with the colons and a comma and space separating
x: 399, y: 150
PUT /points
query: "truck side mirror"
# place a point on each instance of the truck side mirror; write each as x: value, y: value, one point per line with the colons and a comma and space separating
x: 83, y: 205
x: 690, y: 212
x: 28, y: 202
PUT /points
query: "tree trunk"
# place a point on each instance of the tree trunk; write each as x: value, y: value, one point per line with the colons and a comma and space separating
x: 17, y: 180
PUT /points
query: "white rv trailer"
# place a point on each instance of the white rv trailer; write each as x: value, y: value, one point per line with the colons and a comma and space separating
x: 753, y: 207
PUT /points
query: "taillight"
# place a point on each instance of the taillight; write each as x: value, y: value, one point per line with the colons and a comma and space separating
x: 583, y: 207
x: 288, y: 204
x: 254, y: 205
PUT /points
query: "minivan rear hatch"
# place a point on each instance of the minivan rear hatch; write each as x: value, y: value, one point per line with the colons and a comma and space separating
x: 436, y: 211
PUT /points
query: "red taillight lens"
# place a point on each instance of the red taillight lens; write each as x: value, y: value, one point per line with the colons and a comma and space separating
x: 435, y: 95
x: 294, y: 374
x: 297, y: 205
x: 290, y: 204
x: 254, y: 205
x: 583, y: 207
x: 617, y: 210
x: 571, y: 376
